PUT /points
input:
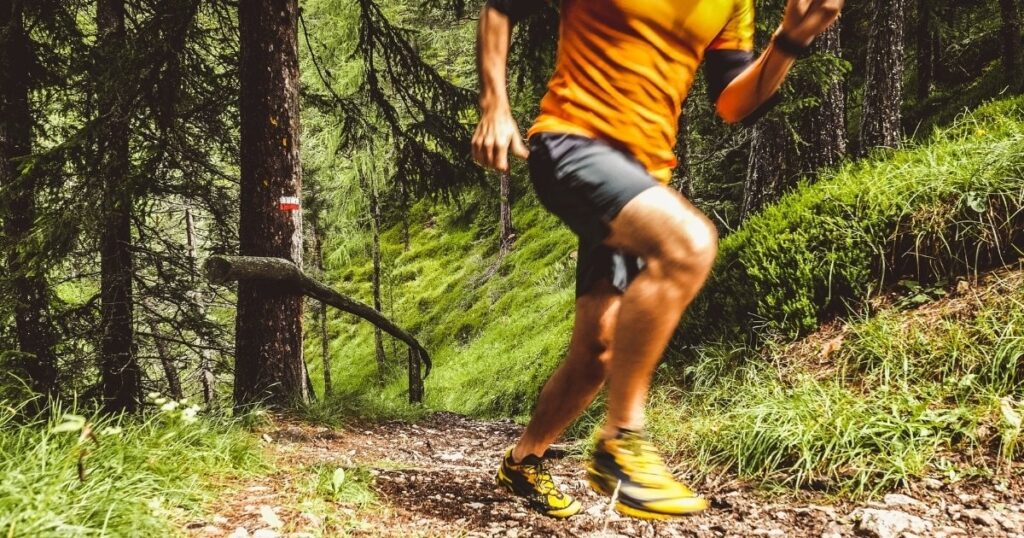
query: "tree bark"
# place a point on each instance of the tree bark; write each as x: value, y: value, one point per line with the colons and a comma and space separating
x: 30, y: 288
x: 683, y: 180
x: 507, y: 234
x: 826, y: 136
x: 268, y: 347
x: 206, y: 377
x: 883, y: 91
x: 1013, y: 62
x: 120, y: 369
x: 766, y: 166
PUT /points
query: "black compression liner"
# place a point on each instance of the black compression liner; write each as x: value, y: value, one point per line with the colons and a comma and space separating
x: 721, y: 67
x: 516, y: 10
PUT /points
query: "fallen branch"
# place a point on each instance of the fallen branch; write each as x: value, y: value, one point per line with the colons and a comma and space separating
x: 224, y: 269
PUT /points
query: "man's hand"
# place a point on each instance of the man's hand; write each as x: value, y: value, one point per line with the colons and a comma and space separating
x: 806, y: 19
x: 496, y: 134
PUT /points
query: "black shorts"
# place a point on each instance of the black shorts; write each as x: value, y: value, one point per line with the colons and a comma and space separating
x: 586, y: 183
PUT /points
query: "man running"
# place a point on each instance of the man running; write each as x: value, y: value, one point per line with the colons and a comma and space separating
x: 599, y: 157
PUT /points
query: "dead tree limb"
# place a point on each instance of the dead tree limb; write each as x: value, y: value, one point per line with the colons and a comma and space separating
x: 224, y: 269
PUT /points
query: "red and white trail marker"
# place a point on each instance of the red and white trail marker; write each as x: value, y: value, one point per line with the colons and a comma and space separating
x: 290, y: 203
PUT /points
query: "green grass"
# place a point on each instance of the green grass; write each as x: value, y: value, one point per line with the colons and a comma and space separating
x: 906, y: 394
x: 947, y: 207
x: 142, y: 476
x: 493, y: 340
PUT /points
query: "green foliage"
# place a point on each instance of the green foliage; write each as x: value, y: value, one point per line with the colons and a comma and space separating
x: 77, y: 475
x: 495, y: 328
x: 903, y: 394
x: 945, y: 208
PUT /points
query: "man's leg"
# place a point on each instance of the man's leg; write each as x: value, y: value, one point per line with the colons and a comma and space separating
x: 678, y: 245
x: 577, y: 381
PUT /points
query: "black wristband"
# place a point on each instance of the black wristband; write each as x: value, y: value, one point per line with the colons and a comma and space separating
x: 789, y: 46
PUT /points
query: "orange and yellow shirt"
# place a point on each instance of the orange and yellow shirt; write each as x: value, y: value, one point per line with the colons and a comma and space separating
x: 625, y: 67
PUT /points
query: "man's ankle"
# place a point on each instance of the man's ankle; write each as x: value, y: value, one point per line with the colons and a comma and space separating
x: 519, y: 454
x: 612, y: 432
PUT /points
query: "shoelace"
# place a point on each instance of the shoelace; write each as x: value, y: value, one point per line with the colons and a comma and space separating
x: 543, y: 480
x: 647, y: 460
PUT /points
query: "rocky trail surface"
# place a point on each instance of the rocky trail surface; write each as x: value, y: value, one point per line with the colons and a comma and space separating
x: 435, y: 478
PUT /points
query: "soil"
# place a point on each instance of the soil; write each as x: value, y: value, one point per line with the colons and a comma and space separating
x: 435, y: 478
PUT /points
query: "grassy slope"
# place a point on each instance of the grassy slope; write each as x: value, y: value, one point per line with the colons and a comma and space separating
x: 493, y: 339
x: 495, y: 342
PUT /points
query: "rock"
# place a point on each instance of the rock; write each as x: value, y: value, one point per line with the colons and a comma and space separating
x: 240, y: 532
x: 981, y: 517
x: 269, y: 517
x: 220, y: 520
x: 896, y: 499
x: 887, y: 523
x: 266, y: 533
x: 949, y: 532
x: 932, y: 483
x: 211, y: 530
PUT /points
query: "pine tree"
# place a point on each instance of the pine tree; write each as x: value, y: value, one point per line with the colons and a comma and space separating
x: 268, y: 357
x: 883, y: 85
x: 825, y: 135
x: 29, y: 287
x: 120, y: 369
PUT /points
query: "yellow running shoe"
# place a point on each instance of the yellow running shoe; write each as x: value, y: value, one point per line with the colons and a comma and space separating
x: 531, y: 480
x: 630, y: 464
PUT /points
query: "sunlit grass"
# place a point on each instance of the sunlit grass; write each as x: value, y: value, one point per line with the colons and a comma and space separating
x: 76, y: 475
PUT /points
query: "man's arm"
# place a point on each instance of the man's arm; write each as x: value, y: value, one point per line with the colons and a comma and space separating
x: 755, y: 86
x: 497, y: 131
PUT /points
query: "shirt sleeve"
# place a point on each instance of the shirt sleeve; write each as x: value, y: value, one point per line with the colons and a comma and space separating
x: 738, y: 33
x: 517, y: 10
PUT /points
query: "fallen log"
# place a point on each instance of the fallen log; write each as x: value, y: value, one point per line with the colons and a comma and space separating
x: 225, y: 269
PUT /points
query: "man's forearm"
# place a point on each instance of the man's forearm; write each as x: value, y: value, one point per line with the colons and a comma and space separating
x: 754, y: 86
x: 493, y: 40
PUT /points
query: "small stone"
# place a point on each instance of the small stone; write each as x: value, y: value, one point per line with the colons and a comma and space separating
x: 981, y: 517
x: 211, y: 530
x: 266, y: 533
x: 896, y: 499
x: 949, y: 532
x: 240, y: 532
x: 932, y: 483
x: 220, y: 520
x: 887, y: 523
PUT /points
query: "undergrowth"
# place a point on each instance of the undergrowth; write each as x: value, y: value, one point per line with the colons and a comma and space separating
x: 76, y: 475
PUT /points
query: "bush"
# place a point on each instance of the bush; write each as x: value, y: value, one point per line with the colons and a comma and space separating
x: 946, y: 208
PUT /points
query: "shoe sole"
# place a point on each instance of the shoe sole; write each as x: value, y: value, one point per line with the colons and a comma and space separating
x: 639, y: 513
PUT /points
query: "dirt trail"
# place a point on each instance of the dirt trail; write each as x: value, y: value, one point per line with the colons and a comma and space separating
x: 435, y: 478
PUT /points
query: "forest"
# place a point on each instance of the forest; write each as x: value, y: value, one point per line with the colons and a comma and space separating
x: 253, y: 284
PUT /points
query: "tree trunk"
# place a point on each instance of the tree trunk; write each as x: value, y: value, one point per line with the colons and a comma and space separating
x: 927, y: 49
x: 683, y: 180
x: 766, y: 165
x: 826, y: 128
x: 206, y: 377
x: 378, y: 337
x: 507, y: 234
x: 120, y: 370
x: 1011, y: 43
x: 30, y: 288
x: 167, y: 362
x: 883, y: 87
x: 268, y: 346
x: 316, y: 228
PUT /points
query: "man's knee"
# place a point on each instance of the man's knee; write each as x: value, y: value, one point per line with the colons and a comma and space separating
x: 687, y: 249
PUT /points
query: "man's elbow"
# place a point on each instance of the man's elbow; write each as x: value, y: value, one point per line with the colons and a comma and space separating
x: 729, y: 113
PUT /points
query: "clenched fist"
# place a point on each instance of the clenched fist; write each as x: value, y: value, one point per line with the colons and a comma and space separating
x: 496, y: 134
